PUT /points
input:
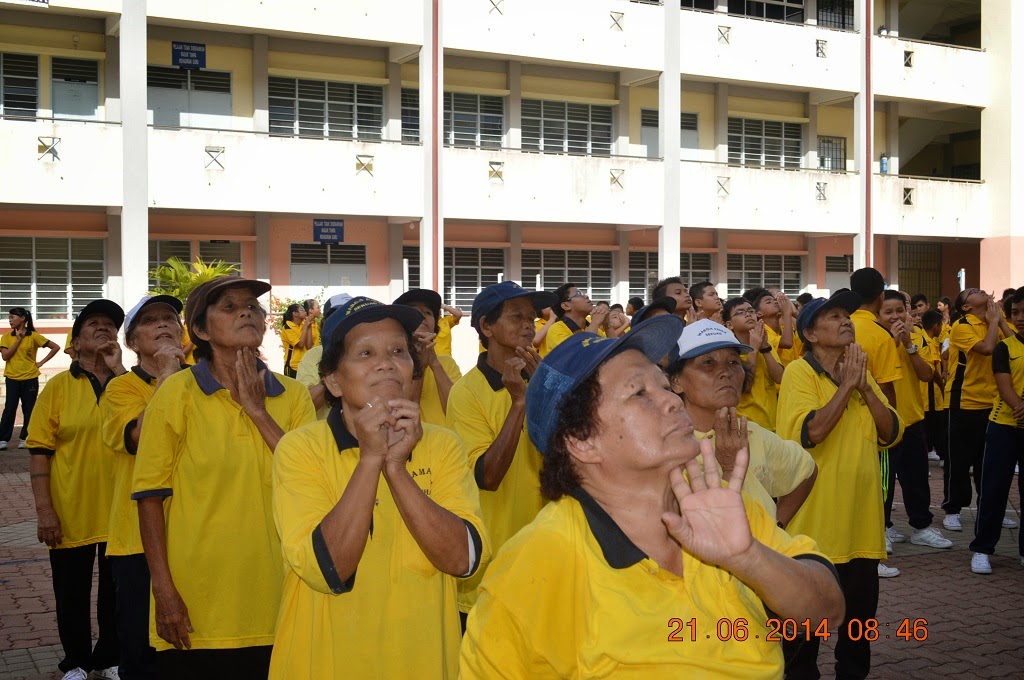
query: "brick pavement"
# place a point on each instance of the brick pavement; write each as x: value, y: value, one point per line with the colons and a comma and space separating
x: 975, y: 623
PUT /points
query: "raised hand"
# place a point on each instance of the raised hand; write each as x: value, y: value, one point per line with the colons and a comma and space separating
x: 169, y: 359
x: 111, y: 353
x: 855, y: 368
x: 730, y: 437
x: 252, y: 391
x: 512, y: 378
x: 530, y: 356
x: 425, y: 342
x: 403, y: 429
x: 992, y: 312
x: 712, y: 522
x: 757, y: 335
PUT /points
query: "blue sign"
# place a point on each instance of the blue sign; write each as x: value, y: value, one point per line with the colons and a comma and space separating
x: 188, y: 55
x: 329, y: 231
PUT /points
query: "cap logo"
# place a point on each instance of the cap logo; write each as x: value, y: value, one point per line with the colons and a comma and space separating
x: 711, y: 330
x: 593, y: 341
x: 361, y: 305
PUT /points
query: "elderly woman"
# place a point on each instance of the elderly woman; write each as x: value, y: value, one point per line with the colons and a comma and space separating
x: 633, y: 568
x: 153, y: 331
x: 830, y: 403
x: 708, y: 375
x: 72, y: 475
x: 378, y: 515
x: 440, y: 371
x: 203, y: 483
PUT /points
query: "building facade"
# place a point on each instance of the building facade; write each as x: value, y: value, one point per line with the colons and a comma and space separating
x: 465, y: 142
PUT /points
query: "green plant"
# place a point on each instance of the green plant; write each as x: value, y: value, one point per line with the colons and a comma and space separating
x: 178, y: 279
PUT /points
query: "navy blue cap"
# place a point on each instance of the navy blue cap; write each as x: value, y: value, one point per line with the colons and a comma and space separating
x: 492, y: 296
x: 365, y: 310
x: 424, y: 296
x: 107, y: 308
x: 666, y: 303
x: 576, y: 358
x: 842, y: 298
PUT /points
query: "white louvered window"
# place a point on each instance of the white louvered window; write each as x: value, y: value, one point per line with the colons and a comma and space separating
x: 473, y: 120
x: 643, y: 271
x: 590, y: 270
x: 839, y: 264
x: 778, y: 10
x: 688, y: 137
x: 76, y: 88
x: 161, y: 251
x: 562, y: 127
x: 318, y: 108
x: 752, y: 271
x: 228, y: 252
x: 328, y: 264
x: 765, y: 143
x: 19, y: 84
x: 54, y: 277
x: 189, y: 97
x: 467, y: 271
x: 412, y: 255
x: 410, y: 115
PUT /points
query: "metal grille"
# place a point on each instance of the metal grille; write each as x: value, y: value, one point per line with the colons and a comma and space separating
x: 161, y: 251
x: 839, y: 264
x: 590, y: 270
x: 778, y: 10
x: 832, y: 153
x: 412, y: 254
x: 921, y: 268
x: 561, y: 127
x: 769, y: 271
x: 687, y: 121
x: 228, y: 252
x: 467, y: 271
x: 76, y: 70
x: 19, y: 84
x: 318, y: 108
x: 835, y: 14
x: 765, y: 143
x: 706, y: 5
x: 53, y: 276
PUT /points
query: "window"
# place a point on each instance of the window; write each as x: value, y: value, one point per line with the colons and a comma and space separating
x: 318, y: 108
x: 706, y: 5
x: 765, y: 143
x: 189, y: 98
x: 768, y: 271
x: 161, y: 251
x: 920, y: 267
x: 76, y: 88
x: 777, y: 10
x: 643, y: 271
x: 54, y: 277
x: 412, y: 254
x: 839, y: 264
x: 328, y: 264
x: 590, y: 270
x: 228, y: 252
x: 19, y: 84
x: 472, y: 120
x: 832, y: 153
x: 561, y: 127
x: 836, y: 14
x: 467, y: 271
x: 688, y: 139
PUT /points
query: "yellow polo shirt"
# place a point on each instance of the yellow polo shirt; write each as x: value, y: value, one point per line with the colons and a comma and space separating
x: 844, y: 510
x: 431, y: 410
x: 477, y: 407
x: 397, y: 615
x: 308, y: 374
x: 879, y: 345
x: 1008, y: 357
x: 186, y: 340
x: 537, y: 325
x: 205, y: 457
x: 932, y: 396
x: 22, y: 366
x: 66, y: 426
x: 559, y: 332
x: 776, y: 467
x: 571, y: 596
x: 760, y: 403
x: 908, y: 390
x: 443, y: 343
x: 290, y: 335
x: 123, y: 401
x: 971, y: 385
x: 795, y: 352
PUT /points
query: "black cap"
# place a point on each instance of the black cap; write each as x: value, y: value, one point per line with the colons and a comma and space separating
x: 107, y: 308
x: 666, y: 303
x: 423, y: 296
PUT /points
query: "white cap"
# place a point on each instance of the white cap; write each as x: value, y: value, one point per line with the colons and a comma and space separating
x: 148, y: 300
x: 701, y: 337
x: 336, y: 301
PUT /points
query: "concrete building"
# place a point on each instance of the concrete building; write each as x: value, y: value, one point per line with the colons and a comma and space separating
x: 468, y: 141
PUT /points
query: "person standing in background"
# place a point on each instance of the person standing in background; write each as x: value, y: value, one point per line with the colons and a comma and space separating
x: 296, y: 337
x: 445, y: 324
x: 21, y: 371
x: 439, y: 371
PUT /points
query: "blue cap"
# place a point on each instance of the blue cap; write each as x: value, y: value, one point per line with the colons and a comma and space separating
x: 842, y: 298
x: 492, y: 296
x: 365, y: 310
x: 666, y: 303
x: 576, y: 359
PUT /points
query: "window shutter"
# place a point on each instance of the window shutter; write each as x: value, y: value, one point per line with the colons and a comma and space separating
x: 19, y: 84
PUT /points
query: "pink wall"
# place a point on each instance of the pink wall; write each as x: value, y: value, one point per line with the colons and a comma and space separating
x: 689, y: 238
x: 373, y: 233
x: 997, y: 254
x: 471, y: 232
x: 210, y: 226
x: 60, y: 221
x: 560, y: 236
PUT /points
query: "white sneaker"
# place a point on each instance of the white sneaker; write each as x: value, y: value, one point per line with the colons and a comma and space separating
x: 887, y: 572
x: 895, y: 536
x: 3, y: 446
x: 980, y: 564
x: 952, y: 523
x: 933, y: 456
x: 888, y: 546
x: 931, y: 538
x: 1010, y: 523
x: 76, y: 674
x: 106, y: 674
x: 21, y: 444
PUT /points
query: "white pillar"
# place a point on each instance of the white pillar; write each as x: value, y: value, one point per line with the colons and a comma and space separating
x: 669, y: 109
x: 135, y: 151
x: 260, y: 83
x: 720, y: 274
x: 863, y: 119
x: 620, y: 260
x: 892, y: 18
x: 622, y: 121
x: 515, y: 107
x: 514, y: 271
x: 393, y: 103
x: 115, y: 282
x: 263, y: 247
x: 722, y: 123
x: 431, y: 132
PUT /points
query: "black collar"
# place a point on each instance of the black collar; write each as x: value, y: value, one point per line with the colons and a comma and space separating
x: 342, y: 437
x: 619, y: 551
x: 208, y: 383
x: 146, y: 377
x: 816, y: 365
x: 77, y: 372
x: 493, y: 376
x: 573, y: 326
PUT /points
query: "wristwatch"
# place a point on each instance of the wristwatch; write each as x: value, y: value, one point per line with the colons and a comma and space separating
x: 913, y: 349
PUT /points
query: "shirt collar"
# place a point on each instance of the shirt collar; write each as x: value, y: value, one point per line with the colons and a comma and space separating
x: 619, y: 551
x: 77, y: 372
x: 146, y: 377
x: 493, y: 376
x: 818, y: 368
x: 573, y: 326
x: 342, y: 437
x: 208, y: 384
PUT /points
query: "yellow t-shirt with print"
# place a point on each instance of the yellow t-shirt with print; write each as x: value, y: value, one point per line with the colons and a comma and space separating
x: 66, y: 425
x: 1008, y: 357
x: 971, y: 385
x: 22, y: 365
x: 397, y: 615
x: 205, y: 457
x: 760, y: 403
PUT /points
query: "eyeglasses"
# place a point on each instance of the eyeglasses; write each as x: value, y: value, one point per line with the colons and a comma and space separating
x: 577, y: 294
x: 746, y: 311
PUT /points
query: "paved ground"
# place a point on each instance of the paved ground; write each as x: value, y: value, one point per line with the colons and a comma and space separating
x: 975, y: 623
